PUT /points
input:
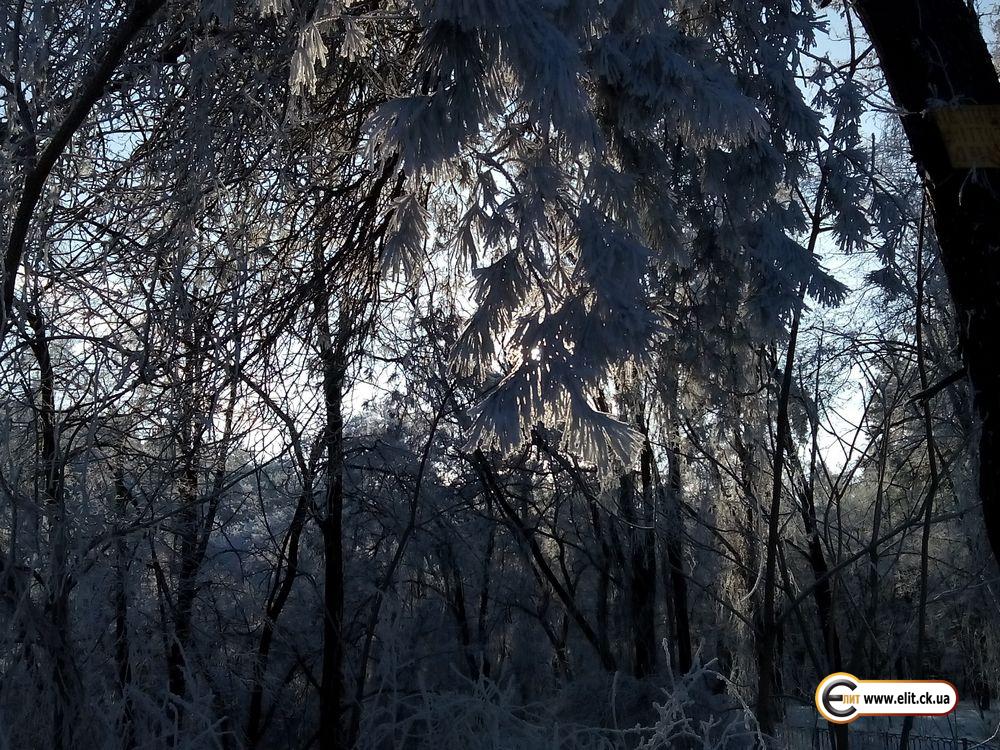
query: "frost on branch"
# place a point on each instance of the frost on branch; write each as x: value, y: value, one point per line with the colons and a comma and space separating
x: 404, y: 250
x: 310, y: 54
x: 601, y: 148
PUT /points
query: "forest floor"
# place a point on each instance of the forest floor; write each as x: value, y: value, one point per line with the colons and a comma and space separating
x: 966, y: 723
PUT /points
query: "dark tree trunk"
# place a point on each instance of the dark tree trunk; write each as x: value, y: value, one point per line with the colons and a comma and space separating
x: 190, y: 443
x: 675, y: 558
x: 768, y: 663
x: 52, y: 471
x: 823, y: 592
x: 281, y: 588
x: 455, y: 596
x: 641, y: 573
x: 498, y: 495
x: 123, y: 659
x: 603, y: 577
x: 823, y: 596
x: 644, y: 561
x: 673, y: 524
x: 482, y: 629
x: 331, y: 526
x: 934, y: 50
x: 187, y: 584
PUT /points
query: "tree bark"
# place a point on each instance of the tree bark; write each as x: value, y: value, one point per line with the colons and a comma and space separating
x: 675, y: 556
x: 767, y: 714
x: 641, y: 571
x: 52, y: 471
x: 675, y: 576
x: 604, y: 561
x: 935, y: 479
x: 331, y: 527
x: 123, y: 660
x: 933, y: 50
x: 823, y: 597
x: 281, y: 588
x: 187, y: 577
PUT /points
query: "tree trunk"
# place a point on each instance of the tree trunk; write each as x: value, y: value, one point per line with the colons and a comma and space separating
x: 767, y: 713
x: 527, y: 535
x: 932, y: 487
x: 675, y: 557
x: 281, y: 587
x: 673, y: 522
x: 604, y: 561
x: 823, y: 596
x: 53, y: 494
x: 934, y: 50
x: 823, y: 591
x: 454, y: 591
x: 482, y: 629
x: 123, y: 660
x: 331, y: 527
x: 187, y: 583
x: 641, y: 570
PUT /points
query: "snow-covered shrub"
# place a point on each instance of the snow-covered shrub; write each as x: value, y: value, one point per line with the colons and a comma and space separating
x: 596, y: 712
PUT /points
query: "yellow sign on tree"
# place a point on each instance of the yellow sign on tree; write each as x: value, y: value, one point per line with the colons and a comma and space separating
x: 971, y: 135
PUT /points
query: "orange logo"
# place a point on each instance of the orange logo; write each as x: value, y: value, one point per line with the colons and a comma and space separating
x: 841, y: 698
